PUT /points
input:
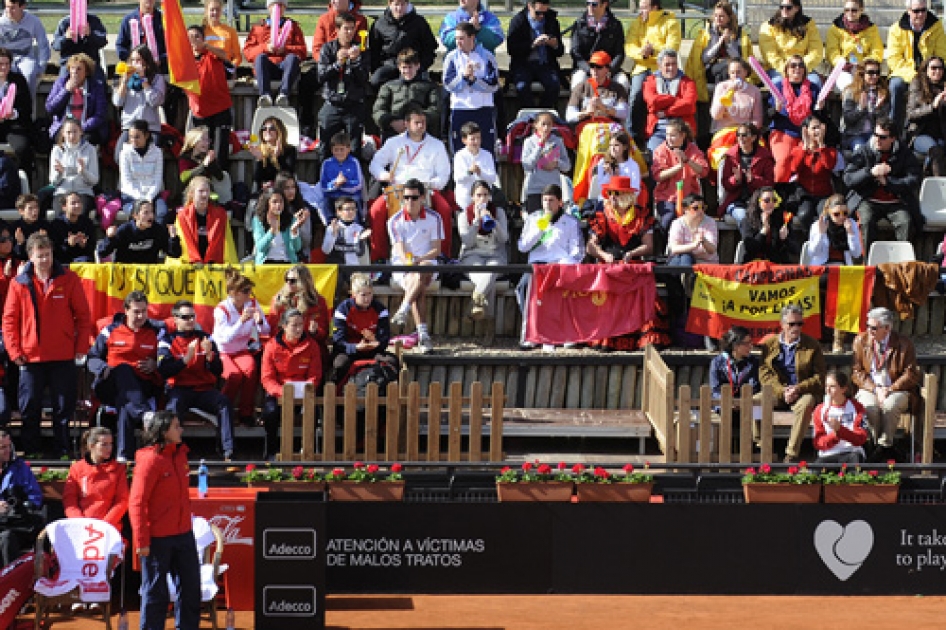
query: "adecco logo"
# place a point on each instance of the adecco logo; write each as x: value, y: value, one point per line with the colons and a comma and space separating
x: 289, y: 601
x: 288, y: 544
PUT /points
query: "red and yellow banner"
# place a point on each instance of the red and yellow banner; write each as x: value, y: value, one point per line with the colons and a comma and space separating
x: 753, y: 296
x: 579, y: 303
x: 107, y: 285
x: 849, y: 293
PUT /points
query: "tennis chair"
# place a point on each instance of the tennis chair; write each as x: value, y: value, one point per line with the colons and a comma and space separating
x: 87, y: 551
x: 210, y: 551
x: 890, y: 252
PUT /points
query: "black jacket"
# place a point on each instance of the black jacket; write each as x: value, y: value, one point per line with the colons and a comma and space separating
x: 354, y: 74
x: 389, y: 37
x: 902, y: 181
x: 132, y: 245
x: 586, y: 40
x: 519, y: 38
x: 59, y: 231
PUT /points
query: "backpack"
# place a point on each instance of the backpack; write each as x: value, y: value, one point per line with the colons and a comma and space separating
x: 377, y: 371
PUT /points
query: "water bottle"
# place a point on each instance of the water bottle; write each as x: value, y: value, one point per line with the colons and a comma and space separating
x: 231, y: 619
x: 202, y: 480
x: 123, y: 620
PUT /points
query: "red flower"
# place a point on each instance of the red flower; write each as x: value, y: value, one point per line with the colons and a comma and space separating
x: 44, y: 469
x: 338, y: 472
x: 297, y: 472
x: 601, y: 472
x: 396, y: 468
x: 359, y: 465
x: 646, y: 465
x: 792, y: 470
x: 372, y: 468
x: 843, y: 466
x: 766, y: 469
x: 502, y: 470
x: 578, y: 468
x: 750, y: 471
x: 561, y: 466
x: 527, y: 466
x: 841, y: 474
x: 628, y: 469
x: 803, y: 464
x: 891, y: 462
x: 250, y: 467
x: 873, y: 473
x: 544, y: 469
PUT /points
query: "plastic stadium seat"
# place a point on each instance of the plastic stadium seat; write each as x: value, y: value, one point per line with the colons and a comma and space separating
x: 890, y: 252
x: 933, y: 201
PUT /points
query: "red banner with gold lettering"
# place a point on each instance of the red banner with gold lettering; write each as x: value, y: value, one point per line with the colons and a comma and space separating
x: 580, y: 303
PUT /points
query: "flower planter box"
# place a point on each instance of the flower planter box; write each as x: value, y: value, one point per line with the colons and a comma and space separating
x: 287, y: 486
x: 782, y: 492
x: 861, y: 493
x: 558, y: 491
x: 355, y: 491
x: 52, y: 490
x: 614, y: 492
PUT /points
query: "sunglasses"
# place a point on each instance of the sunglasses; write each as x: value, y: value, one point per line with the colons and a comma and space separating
x: 268, y: 128
x: 743, y: 134
x: 5, y: 239
x: 595, y: 66
x: 795, y: 324
x: 795, y: 64
x: 871, y: 73
x: 869, y: 327
x: 918, y: 11
x: 186, y: 316
x: 841, y: 214
x: 882, y: 136
x: 539, y: 14
x: 412, y: 197
x: 593, y: 5
x: 787, y: 7
x: 766, y: 199
x: 291, y: 280
x: 695, y: 208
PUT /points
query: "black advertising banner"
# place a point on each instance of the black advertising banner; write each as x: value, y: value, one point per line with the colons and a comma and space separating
x: 636, y: 548
x: 290, y: 561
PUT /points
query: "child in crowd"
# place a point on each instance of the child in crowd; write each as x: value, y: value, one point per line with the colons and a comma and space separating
x: 341, y: 177
x: 73, y: 166
x: 544, y: 159
x: 141, y: 240
x: 471, y: 164
x: 362, y: 328
x: 73, y: 232
x: 346, y: 239
x: 29, y: 222
x: 839, y: 423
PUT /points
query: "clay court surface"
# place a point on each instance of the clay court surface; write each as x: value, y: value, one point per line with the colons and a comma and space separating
x: 600, y: 612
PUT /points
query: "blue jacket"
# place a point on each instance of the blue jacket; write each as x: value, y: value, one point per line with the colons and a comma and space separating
x: 18, y: 473
x: 91, y: 45
x: 123, y: 41
x: 490, y: 35
x: 724, y: 372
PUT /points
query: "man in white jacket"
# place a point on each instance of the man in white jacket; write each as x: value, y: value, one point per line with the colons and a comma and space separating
x: 410, y: 155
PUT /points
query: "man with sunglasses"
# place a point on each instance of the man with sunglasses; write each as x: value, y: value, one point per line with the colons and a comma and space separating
x: 793, y: 364
x: 598, y: 30
x: 916, y: 36
x: 534, y: 43
x: 883, y: 177
x: 189, y: 361
x: 887, y: 378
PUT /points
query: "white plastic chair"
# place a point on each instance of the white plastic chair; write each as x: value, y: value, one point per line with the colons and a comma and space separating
x: 890, y: 252
x: 805, y: 257
x: 933, y: 201
x: 206, y: 534
x: 740, y: 256
x: 87, y: 551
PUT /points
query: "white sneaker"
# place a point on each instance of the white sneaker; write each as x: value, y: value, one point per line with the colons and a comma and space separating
x: 570, y: 345
x: 282, y: 101
x: 264, y: 101
x: 425, y: 345
x: 400, y: 318
x: 526, y: 345
x: 547, y: 347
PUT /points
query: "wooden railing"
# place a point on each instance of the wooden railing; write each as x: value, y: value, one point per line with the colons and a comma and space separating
x: 410, y: 427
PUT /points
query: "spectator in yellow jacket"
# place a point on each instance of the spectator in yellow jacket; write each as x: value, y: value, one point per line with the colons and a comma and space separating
x: 916, y: 29
x: 790, y: 32
x: 852, y: 38
x: 652, y: 31
x: 719, y: 43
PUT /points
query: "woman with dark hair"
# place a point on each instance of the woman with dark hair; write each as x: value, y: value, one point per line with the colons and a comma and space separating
x: 840, y: 428
x: 746, y: 168
x: 766, y: 231
x: 140, y: 94
x: 238, y: 325
x: 484, y: 233
x: 160, y: 512
x: 693, y: 238
x: 292, y: 355
x: 863, y: 103
x: 312, y: 230
x: 16, y: 126
x: 142, y: 239
x: 722, y: 41
x: 275, y: 232
x: 676, y: 159
x: 789, y: 107
x: 735, y: 366
x: 97, y: 485
x: 812, y: 165
x: 852, y: 39
x: 926, y: 112
x: 790, y: 33
x: 273, y: 153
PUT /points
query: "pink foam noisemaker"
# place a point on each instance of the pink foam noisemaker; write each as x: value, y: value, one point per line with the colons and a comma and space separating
x: 284, y: 34
x: 764, y: 76
x: 6, y: 103
x: 135, y: 33
x: 147, y: 21
x: 275, y: 21
x: 829, y: 83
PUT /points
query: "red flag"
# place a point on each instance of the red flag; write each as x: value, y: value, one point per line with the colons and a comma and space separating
x: 181, y: 64
x: 578, y: 303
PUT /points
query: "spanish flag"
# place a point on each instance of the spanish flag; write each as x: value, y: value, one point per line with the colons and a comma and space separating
x: 848, y: 300
x: 181, y: 64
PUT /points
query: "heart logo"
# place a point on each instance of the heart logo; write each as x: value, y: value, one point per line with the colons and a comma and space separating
x: 844, y: 549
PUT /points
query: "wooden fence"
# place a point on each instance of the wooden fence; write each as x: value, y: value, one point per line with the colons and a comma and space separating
x: 400, y: 426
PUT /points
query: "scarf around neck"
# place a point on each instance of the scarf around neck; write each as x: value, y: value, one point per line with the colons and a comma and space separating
x: 798, y: 107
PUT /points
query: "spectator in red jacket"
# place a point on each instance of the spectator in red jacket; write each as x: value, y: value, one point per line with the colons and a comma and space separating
x: 299, y: 292
x: 190, y: 361
x: 292, y: 355
x: 46, y: 327
x: 270, y: 62
x: 325, y: 29
x: 668, y: 93
x: 97, y: 485
x: 203, y: 225
x: 212, y: 107
x: 160, y: 513
x: 124, y: 361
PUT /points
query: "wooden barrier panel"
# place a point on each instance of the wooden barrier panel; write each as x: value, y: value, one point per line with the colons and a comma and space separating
x: 408, y: 421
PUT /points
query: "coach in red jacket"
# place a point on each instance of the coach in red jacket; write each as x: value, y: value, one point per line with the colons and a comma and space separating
x: 190, y: 362
x: 160, y: 511
x: 46, y: 327
x: 124, y: 361
x: 292, y: 355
